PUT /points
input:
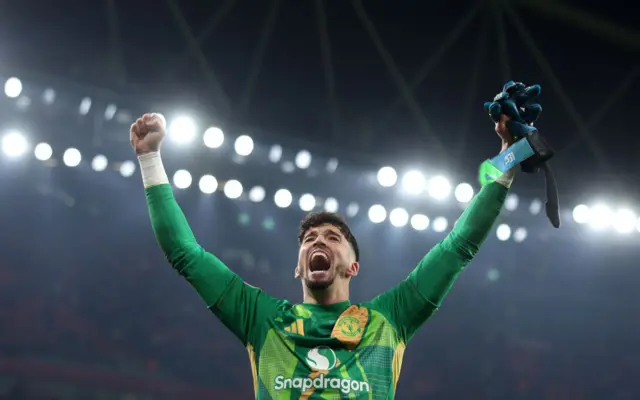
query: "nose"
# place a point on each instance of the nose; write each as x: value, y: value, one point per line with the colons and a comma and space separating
x: 320, y: 240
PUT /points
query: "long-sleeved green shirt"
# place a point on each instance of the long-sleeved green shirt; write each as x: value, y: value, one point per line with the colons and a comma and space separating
x: 308, y: 351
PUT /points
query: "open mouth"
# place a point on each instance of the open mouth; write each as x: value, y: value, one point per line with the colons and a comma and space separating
x: 319, y: 261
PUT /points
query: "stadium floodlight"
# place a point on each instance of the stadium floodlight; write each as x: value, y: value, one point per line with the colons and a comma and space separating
x: 387, y: 176
x: 624, y: 220
x: 503, y: 232
x: 303, y: 159
x: 601, y: 217
x: 243, y: 145
x: 182, y: 179
x: 287, y: 167
x: 439, y: 187
x: 420, y: 222
x: 14, y: 144
x: 99, y: 163
x: 13, y: 87
x: 307, y: 202
x: 257, y: 194
x: 71, y: 157
x: 110, y: 112
x: 283, y: 198
x: 535, y: 207
x: 233, y: 189
x: 520, y: 234
x: 48, y: 96
x: 331, y: 204
x: 511, y: 202
x: 440, y: 224
x: 377, y: 213
x: 413, y: 182
x: 43, y: 151
x: 85, y: 106
x: 332, y: 165
x: 398, y: 217
x: 275, y: 153
x: 208, y: 184
x: 463, y: 193
x: 581, y: 214
x: 352, y: 209
x: 182, y: 129
x: 127, y: 168
x: 213, y: 137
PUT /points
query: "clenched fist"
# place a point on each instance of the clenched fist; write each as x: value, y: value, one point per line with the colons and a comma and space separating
x: 146, y: 133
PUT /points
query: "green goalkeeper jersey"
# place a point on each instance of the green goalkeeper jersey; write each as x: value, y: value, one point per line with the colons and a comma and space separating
x: 309, y: 351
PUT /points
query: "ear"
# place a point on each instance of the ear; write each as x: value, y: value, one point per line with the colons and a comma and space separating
x: 353, y: 269
x: 297, y: 273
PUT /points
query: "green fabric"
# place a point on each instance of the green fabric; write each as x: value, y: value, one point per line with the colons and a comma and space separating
x: 295, y: 351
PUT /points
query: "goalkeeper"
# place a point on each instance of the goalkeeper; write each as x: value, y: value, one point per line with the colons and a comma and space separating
x: 325, y: 347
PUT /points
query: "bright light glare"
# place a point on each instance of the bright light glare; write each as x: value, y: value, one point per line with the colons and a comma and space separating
x: 127, y: 168
x: 208, y: 184
x: 182, y: 129
x: 535, y: 207
x: 463, y: 193
x: 520, y: 234
x: 352, y: 210
x: 13, y: 87
x: 377, y: 214
x: 14, y: 144
x: 99, y: 163
x: 303, y: 159
x: 581, y: 213
x: 71, y: 157
x: 182, y: 179
x: 307, y: 202
x: 332, y: 165
x: 387, y: 176
x: 49, y: 96
x: 243, y: 145
x: 511, y: 203
x: 601, y: 217
x: 440, y: 224
x: 420, y: 222
x: 624, y: 220
x: 439, y: 187
x: 275, y: 153
x: 233, y: 189
x: 413, y: 182
x: 43, y: 151
x: 213, y: 137
x: 257, y: 194
x: 283, y: 198
x: 503, y: 232
x: 398, y: 217
x: 331, y: 204
x: 85, y: 106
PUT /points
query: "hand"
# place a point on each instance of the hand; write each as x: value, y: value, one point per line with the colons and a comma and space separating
x: 503, y: 132
x: 147, y: 133
x: 514, y: 110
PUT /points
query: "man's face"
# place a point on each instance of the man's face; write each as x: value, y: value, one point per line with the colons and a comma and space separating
x: 325, y: 255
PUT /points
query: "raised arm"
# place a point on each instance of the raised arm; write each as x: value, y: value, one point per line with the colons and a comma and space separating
x: 415, y: 299
x: 238, y: 305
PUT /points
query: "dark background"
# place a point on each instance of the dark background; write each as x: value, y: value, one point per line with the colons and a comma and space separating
x: 89, y: 309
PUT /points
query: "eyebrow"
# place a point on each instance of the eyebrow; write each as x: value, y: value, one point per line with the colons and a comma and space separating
x: 326, y: 232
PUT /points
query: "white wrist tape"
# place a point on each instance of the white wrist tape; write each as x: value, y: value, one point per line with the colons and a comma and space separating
x: 152, y: 170
x: 506, y: 179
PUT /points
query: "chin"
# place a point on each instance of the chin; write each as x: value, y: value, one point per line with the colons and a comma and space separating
x: 323, y: 281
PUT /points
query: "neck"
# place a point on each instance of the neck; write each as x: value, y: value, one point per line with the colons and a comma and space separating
x: 330, y: 295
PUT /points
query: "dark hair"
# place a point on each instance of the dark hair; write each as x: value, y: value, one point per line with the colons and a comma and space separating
x: 316, y: 219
